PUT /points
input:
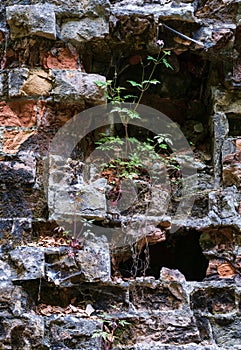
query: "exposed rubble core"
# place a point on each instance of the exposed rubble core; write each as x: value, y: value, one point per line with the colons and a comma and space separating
x: 178, y: 285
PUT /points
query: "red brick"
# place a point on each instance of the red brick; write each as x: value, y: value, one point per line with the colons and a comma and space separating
x: 63, y: 59
x: 18, y: 113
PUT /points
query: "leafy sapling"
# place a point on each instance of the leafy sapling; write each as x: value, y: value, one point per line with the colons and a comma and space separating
x: 128, y: 164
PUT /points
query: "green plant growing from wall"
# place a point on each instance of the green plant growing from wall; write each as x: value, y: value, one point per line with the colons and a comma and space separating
x: 111, y: 331
x: 130, y: 151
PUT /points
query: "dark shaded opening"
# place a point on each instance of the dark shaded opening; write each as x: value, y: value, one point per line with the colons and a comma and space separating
x: 234, y: 124
x: 180, y: 251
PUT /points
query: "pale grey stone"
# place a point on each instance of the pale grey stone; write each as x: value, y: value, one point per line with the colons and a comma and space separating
x: 73, y: 8
x: 229, y: 203
x: 91, y: 203
x: 28, y: 261
x: 25, y: 20
x: 85, y: 29
x: 94, y: 261
x: 90, y: 263
x: 228, y: 147
x: 74, y: 85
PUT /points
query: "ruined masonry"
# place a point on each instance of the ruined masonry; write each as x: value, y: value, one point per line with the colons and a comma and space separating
x: 188, y: 296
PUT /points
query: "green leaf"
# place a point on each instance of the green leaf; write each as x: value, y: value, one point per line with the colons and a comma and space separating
x: 129, y: 96
x: 167, y: 64
x: 134, y: 83
x: 119, y: 88
x: 153, y: 81
x: 150, y: 58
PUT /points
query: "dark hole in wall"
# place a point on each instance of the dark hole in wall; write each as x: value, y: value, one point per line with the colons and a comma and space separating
x: 180, y: 251
x: 234, y: 124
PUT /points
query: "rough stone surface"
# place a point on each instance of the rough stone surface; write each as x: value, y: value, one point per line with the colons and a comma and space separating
x: 60, y: 58
x: 12, y: 140
x: 16, y: 79
x: 31, y: 20
x: 73, y: 85
x: 176, y: 282
x: 90, y: 264
x: 72, y: 333
x: 94, y: 261
x: 22, y: 113
x: 29, y: 262
x: 85, y: 30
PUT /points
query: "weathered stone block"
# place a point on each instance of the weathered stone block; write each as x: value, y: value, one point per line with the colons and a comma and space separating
x: 219, y: 239
x: 37, y: 84
x: 219, y: 268
x: 73, y: 85
x: 91, y: 263
x: 213, y: 300
x: 29, y: 262
x: 6, y: 271
x: 94, y: 261
x: 85, y: 29
x: 17, y: 172
x: 20, y: 333
x: 18, y: 113
x: 31, y: 20
x: 91, y: 203
x: 12, y: 231
x: 165, y: 329
x: 154, y: 295
x: 159, y: 202
x: 163, y: 9
x: 71, y: 332
x: 14, y: 139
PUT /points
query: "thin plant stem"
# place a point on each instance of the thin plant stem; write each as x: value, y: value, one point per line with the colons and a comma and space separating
x: 147, y: 85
